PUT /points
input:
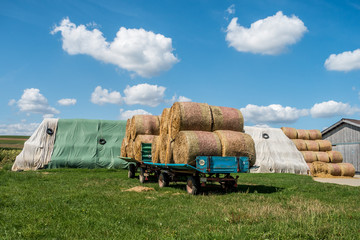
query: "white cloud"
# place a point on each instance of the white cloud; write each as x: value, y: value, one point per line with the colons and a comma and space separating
x: 272, y: 114
x: 124, y: 115
x: 26, y: 129
x: 331, y: 109
x: 183, y: 99
x: 101, y: 96
x: 12, y: 102
x: 345, y: 61
x: 136, y: 50
x: 231, y: 9
x: 144, y: 94
x: 266, y: 36
x: 32, y: 101
x: 67, y: 101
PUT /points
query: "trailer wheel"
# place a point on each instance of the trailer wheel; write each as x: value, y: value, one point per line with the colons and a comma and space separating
x: 131, y: 172
x: 142, y: 175
x: 192, y: 186
x: 163, y: 180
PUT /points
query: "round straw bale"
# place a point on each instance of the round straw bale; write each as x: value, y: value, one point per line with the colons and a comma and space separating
x: 320, y: 168
x: 237, y: 144
x: 169, y: 152
x: 324, y: 145
x: 164, y: 121
x: 289, y: 132
x: 311, y: 145
x: 322, y: 157
x: 309, y: 156
x: 164, y: 138
x: 303, y: 134
x: 137, y: 144
x: 130, y: 149
x: 144, y: 125
x: 225, y: 118
x: 314, y: 134
x: 189, y: 144
x: 347, y: 169
x: 127, y: 130
x: 300, y: 144
x: 189, y: 116
x: 334, y: 169
x: 155, y: 149
x: 335, y: 156
x: 124, y: 143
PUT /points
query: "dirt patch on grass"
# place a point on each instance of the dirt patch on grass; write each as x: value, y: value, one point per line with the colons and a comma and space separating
x: 140, y: 189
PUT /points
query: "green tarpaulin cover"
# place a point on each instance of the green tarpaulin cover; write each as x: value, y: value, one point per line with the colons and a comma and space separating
x: 83, y: 143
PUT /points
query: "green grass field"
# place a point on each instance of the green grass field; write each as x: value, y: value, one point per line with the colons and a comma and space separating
x: 92, y: 204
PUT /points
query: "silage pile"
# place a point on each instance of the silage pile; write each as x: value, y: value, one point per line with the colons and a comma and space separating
x: 318, y: 153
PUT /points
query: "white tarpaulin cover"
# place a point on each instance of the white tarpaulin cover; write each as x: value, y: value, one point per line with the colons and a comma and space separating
x: 38, y: 148
x: 275, y: 152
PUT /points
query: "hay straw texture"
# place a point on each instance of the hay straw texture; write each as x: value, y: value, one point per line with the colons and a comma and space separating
x: 334, y: 169
x: 236, y: 144
x: 314, y: 134
x: 300, y: 144
x: 312, y: 145
x: 130, y: 149
x: 324, y: 145
x: 319, y: 168
x: 123, y: 147
x: 225, y: 118
x: 144, y: 125
x: 164, y: 138
x: 289, y: 132
x: 309, y: 156
x: 137, y: 144
x: 189, y: 144
x: 189, y: 116
x: 165, y: 121
x: 127, y: 130
x: 322, y: 157
x: 347, y: 169
x: 155, y: 149
x: 335, y: 156
x: 169, y: 152
x: 303, y: 134
x: 310, y: 165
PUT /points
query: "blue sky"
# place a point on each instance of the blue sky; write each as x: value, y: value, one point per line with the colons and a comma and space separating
x: 283, y: 63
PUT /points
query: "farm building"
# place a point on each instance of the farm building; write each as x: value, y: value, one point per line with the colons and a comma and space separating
x: 345, y: 138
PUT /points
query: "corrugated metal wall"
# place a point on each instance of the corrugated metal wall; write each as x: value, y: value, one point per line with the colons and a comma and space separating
x: 346, y: 139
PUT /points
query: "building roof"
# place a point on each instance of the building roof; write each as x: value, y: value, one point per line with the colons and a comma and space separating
x: 353, y: 122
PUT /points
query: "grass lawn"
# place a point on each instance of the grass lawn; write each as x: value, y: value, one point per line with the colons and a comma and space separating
x: 92, y: 204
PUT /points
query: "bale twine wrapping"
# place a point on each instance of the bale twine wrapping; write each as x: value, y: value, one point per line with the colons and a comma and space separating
x: 189, y: 116
x: 164, y: 138
x: 144, y: 125
x: 225, y: 118
x: 165, y: 121
x: 155, y: 149
x: 322, y: 157
x: 314, y: 134
x: 169, y: 152
x: 334, y: 169
x: 311, y: 145
x: 303, y: 134
x: 324, y: 145
x: 124, y: 143
x: 300, y: 144
x: 237, y: 144
x: 335, y: 156
x: 127, y: 130
x: 189, y: 144
x: 130, y: 149
x: 347, y: 169
x: 137, y: 144
x: 309, y: 156
x: 289, y: 132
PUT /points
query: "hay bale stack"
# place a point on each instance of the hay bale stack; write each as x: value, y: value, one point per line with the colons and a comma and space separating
x: 319, y: 168
x: 324, y: 145
x: 347, y: 169
x: 225, y: 118
x: 130, y: 149
x: 322, y: 157
x: 300, y: 144
x: 310, y: 166
x: 124, y: 144
x: 334, y: 169
x: 303, y: 134
x: 189, y: 144
x: 155, y: 149
x: 169, y: 157
x: 165, y: 121
x: 137, y: 144
x: 335, y: 156
x: 311, y: 145
x: 189, y: 116
x: 309, y: 156
x: 314, y: 134
x: 164, y: 139
x: 127, y: 130
x: 144, y: 125
x: 236, y: 144
x: 289, y: 132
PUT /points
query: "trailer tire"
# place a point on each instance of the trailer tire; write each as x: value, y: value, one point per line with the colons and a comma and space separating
x: 131, y: 172
x: 193, y: 185
x: 142, y: 175
x: 163, y: 180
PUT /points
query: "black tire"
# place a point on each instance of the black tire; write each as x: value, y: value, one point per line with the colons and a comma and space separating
x: 131, y: 172
x: 142, y: 176
x: 163, y: 180
x: 193, y: 185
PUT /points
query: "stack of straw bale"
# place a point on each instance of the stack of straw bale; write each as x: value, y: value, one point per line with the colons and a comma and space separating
x: 317, y: 151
